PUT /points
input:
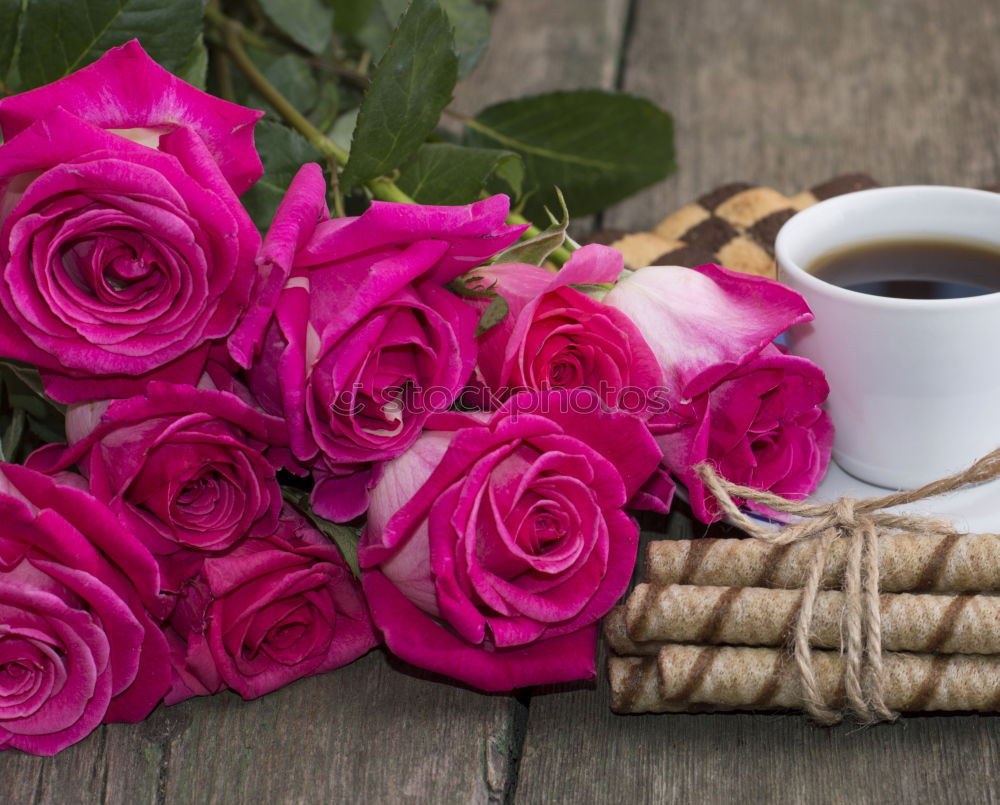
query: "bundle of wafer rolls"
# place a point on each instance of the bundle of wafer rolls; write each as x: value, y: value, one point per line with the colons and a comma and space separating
x: 709, y: 627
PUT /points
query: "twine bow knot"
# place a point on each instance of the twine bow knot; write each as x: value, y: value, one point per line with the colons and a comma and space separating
x: 861, y: 522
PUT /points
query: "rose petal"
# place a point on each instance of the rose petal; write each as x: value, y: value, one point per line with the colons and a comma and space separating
x: 126, y: 89
x: 417, y: 638
x: 703, y: 323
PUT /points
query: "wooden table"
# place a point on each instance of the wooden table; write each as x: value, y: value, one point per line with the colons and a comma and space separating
x: 781, y: 92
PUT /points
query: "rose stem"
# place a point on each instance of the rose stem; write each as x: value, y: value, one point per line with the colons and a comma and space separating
x: 232, y: 31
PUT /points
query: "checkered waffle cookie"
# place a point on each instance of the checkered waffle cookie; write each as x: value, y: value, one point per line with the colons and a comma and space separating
x: 734, y: 225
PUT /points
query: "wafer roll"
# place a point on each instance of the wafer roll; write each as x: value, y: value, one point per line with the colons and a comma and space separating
x: 908, y: 563
x: 756, y: 616
x: 635, y: 686
x: 618, y: 640
x: 684, y: 677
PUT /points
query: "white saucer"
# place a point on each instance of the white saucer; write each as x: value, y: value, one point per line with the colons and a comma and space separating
x: 975, y: 509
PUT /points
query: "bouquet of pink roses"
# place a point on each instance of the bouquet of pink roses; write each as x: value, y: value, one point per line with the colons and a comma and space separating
x: 391, y: 427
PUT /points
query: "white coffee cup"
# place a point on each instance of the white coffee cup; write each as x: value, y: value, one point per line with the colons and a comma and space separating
x: 914, y: 383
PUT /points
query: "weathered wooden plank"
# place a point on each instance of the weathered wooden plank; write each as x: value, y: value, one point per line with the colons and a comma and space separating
x: 367, y: 731
x: 578, y: 751
x: 373, y: 730
x: 788, y: 94
x: 120, y: 763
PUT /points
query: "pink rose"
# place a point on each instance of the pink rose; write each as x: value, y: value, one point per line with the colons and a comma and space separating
x: 268, y: 612
x: 78, y: 596
x: 364, y: 327
x: 124, y: 248
x: 496, y: 542
x: 557, y: 337
x: 184, y: 468
x: 127, y: 92
x: 736, y: 400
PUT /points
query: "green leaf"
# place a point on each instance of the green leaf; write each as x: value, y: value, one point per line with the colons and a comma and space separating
x: 507, y: 178
x: 292, y: 77
x: 344, y: 537
x: 343, y: 129
x: 49, y: 430
x: 59, y: 36
x: 28, y: 419
x: 195, y: 67
x: 327, y: 105
x: 10, y: 13
x: 411, y: 86
x: 496, y: 311
x: 472, y: 31
x: 307, y: 22
x: 395, y: 9
x: 469, y: 19
x: 536, y: 249
x: 21, y: 377
x: 11, y: 438
x: 289, y: 73
x: 283, y: 152
x: 441, y: 173
x: 474, y: 285
x: 599, y: 147
x: 349, y: 16
x: 375, y: 32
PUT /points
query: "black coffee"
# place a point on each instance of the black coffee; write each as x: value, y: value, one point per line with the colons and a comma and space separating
x: 913, y: 268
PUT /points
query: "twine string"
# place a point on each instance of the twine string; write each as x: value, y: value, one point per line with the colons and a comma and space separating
x: 861, y: 522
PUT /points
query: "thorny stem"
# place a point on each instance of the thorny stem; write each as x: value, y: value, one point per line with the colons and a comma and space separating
x: 216, y: 16
x: 338, y: 196
x: 225, y: 77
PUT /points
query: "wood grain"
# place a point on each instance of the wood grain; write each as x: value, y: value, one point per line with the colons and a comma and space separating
x: 369, y: 729
x: 578, y: 751
x: 538, y: 47
x: 789, y: 93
